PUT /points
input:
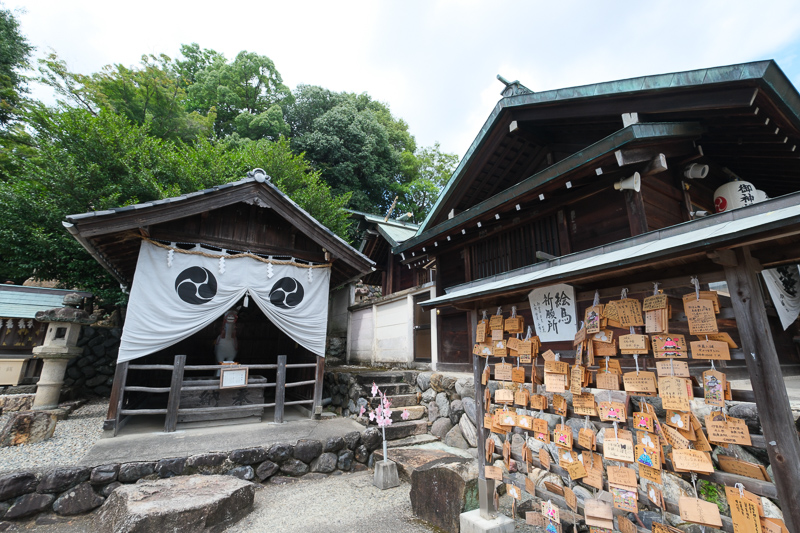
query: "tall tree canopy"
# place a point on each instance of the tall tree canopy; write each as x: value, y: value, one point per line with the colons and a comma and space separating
x: 14, y: 54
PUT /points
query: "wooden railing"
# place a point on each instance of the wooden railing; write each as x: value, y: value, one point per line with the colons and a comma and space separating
x: 177, y: 385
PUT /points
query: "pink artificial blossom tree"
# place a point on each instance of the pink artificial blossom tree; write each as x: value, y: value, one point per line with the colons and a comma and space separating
x: 382, y: 415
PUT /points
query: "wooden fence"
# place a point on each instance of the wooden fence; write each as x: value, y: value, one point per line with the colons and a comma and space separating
x: 178, y: 385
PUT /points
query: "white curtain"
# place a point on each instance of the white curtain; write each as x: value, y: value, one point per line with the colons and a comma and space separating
x: 784, y: 288
x: 175, y: 295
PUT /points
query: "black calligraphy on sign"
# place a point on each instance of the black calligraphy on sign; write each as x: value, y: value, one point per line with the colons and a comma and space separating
x: 746, y: 190
x: 553, y: 310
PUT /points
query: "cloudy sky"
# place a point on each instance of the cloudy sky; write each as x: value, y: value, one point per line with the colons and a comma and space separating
x: 434, y: 62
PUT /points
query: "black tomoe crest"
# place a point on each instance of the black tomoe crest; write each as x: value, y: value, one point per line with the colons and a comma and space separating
x: 287, y: 293
x: 196, y: 285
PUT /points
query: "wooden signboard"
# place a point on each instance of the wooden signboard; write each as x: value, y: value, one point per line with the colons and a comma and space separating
x: 674, y: 438
x: 678, y: 420
x: 605, y: 336
x: 503, y: 396
x: 514, y: 325
x: 584, y: 404
x: 538, y: 401
x: 525, y: 422
x: 722, y: 337
x: 598, y: 513
x: 604, y: 349
x: 587, y: 439
x: 742, y: 468
x: 727, y: 430
x: 692, y: 461
x: 493, y: 472
x: 716, y: 350
x: 512, y: 343
x: 646, y: 456
x: 496, y: 322
x: 669, y: 346
x: 655, y: 495
x: 714, y: 388
x: 571, y: 499
x: 711, y: 296
x: 674, y: 393
x: 544, y: 458
x: 562, y: 436
x: 576, y: 379
x: 555, y: 382
x: 559, y: 405
x: 650, y: 473
x: 701, y: 317
x: 699, y: 511
x: 607, y: 380
x: 556, y: 367
x: 633, y: 344
x: 480, y: 332
x: 673, y: 368
x: 639, y: 382
x: 658, y: 301
x: 612, y: 411
x: 502, y: 372
x: 643, y: 421
x: 521, y: 397
x: 625, y: 499
x: 497, y: 335
x: 745, y: 512
x: 629, y: 311
x: 617, y: 449
x: 623, y: 477
x: 518, y: 374
x: 625, y: 525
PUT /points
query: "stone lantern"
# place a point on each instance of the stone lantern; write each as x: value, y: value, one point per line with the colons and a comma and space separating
x: 59, y: 346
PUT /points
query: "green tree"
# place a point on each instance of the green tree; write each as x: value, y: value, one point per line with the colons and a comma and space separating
x: 87, y: 162
x: 431, y: 170
x: 14, y: 54
x: 355, y: 141
x: 247, y: 93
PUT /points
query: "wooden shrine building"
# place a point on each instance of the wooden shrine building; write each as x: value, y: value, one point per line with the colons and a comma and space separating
x: 594, y: 187
x: 238, y: 266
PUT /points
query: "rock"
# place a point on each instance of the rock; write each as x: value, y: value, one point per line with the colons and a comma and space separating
x: 104, y: 474
x: 552, y: 420
x: 61, y: 479
x: 207, y: 463
x: 555, y: 479
x: 362, y: 454
x: 443, y: 404
x: 441, y: 427
x: 456, y: 492
x: 470, y: 409
x: 647, y: 518
x: 30, y: 504
x: 345, y: 460
x: 307, y: 450
x: 465, y: 387
x: 528, y: 506
x: 283, y: 480
x: 130, y: 472
x: 428, y: 396
x: 749, y: 413
x: 28, y: 427
x: 266, y: 469
x: 16, y: 402
x: 361, y: 402
x: 371, y: 439
x: 294, y: 467
x: 454, y: 439
x: 17, y: 484
x: 325, y: 463
x: 424, y: 380
x: 582, y: 493
x: 248, y: 456
x: 674, y: 487
x: 111, y: 487
x: 278, y: 453
x: 433, y: 412
x: 442, y: 383
x: 334, y: 444
x: 179, y: 505
x: 456, y: 410
x: 770, y: 509
x: 701, y: 410
x: 468, y: 431
x: 655, y: 401
x: 734, y: 450
x: 77, y: 500
x: 577, y: 425
x: 352, y: 440
x: 170, y: 467
x: 242, y: 472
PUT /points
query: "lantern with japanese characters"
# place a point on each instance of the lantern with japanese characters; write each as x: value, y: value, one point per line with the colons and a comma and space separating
x: 733, y: 195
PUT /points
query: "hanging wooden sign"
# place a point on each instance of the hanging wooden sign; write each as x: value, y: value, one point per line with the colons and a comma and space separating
x: 580, y: 336
x: 559, y: 405
x: 607, y: 381
x: 675, y: 439
x: 496, y: 322
x: 549, y: 355
x: 657, y: 301
x: 489, y: 447
x: 617, y: 449
x: 699, y: 511
x: 525, y: 422
x: 512, y: 343
x: 584, y: 404
x: 544, y: 458
x: 742, y: 468
x: 598, y: 513
x: 503, y: 396
x: 773, y: 525
x: 571, y: 499
x: 538, y: 402
x: 592, y: 318
x: 692, y: 461
x: 661, y: 528
x: 622, y: 477
x: 701, y: 317
x: 525, y: 348
x: 502, y: 372
x: 669, y: 346
x: 587, y: 439
x: 678, y: 419
x: 485, y: 377
x: 639, y: 382
x: 673, y: 368
x: 633, y: 344
x: 716, y: 350
x: 727, y: 430
x: 646, y: 456
x: 650, y: 474
x: 518, y: 374
x: 483, y: 350
x: 604, y: 349
x: 722, y: 337
x: 604, y: 336
x: 625, y: 499
x: 514, y: 325
x: 714, y: 388
x: 610, y: 313
x: 497, y: 335
x: 535, y: 518
x: 674, y: 394
x: 625, y: 525
x: 480, y: 332
x: 612, y: 412
x: 573, y: 466
x: 562, y: 436
x: 493, y: 472
x: 744, y: 511
x: 555, y: 382
x: 540, y: 426
x: 655, y: 495
x: 643, y: 421
x: 521, y: 397
x: 656, y: 321
x: 576, y: 379
x: 629, y: 311
x: 508, y: 418
x: 556, y: 367
x: 649, y: 440
x: 550, y: 511
x: 711, y: 296
x: 499, y: 348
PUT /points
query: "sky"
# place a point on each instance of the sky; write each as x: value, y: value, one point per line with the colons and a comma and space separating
x: 433, y: 62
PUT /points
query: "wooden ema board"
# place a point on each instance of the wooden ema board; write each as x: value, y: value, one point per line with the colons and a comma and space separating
x: 716, y: 350
x: 727, y: 430
x: 629, y: 312
x: 742, y: 468
x: 669, y: 346
x: 633, y: 344
x: 701, y: 317
x: 699, y: 511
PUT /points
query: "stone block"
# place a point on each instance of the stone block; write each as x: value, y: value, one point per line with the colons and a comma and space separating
x: 185, y: 504
x: 385, y: 476
x: 401, y: 430
x: 472, y: 522
x: 16, y: 402
x: 28, y: 427
x: 248, y: 456
x: 456, y: 492
x: 30, y: 504
x: 61, y: 479
x: 307, y: 450
x: 17, y: 484
x: 77, y: 500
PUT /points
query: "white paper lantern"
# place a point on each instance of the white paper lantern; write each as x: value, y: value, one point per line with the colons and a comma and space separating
x: 733, y: 195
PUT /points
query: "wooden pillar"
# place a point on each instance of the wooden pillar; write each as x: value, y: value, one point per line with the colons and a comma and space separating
x: 174, y: 401
x: 637, y: 219
x: 485, y: 486
x: 564, y: 245
x: 316, y: 411
x: 280, y: 389
x: 117, y: 392
x: 766, y: 378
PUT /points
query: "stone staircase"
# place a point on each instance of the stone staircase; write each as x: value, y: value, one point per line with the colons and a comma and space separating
x: 400, y: 388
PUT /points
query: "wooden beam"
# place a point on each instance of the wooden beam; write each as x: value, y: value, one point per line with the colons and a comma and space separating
x: 117, y: 396
x: 723, y: 257
x: 319, y: 376
x: 173, y: 403
x: 637, y: 219
x: 783, y: 446
x: 280, y: 389
x: 656, y: 165
x: 564, y: 244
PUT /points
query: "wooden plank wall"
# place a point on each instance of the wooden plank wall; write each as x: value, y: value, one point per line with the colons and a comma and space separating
x: 663, y: 202
x: 598, y: 220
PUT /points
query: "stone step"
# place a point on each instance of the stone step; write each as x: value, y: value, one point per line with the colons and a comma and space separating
x: 389, y: 389
x: 401, y: 430
x: 381, y: 378
x: 399, y: 400
x: 413, y: 440
x: 415, y: 412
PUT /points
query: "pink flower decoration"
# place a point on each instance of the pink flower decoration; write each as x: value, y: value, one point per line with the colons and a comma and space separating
x: 361, y: 411
x: 405, y: 414
x: 375, y: 389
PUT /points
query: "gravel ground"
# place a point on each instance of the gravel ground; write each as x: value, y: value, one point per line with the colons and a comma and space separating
x: 73, y: 438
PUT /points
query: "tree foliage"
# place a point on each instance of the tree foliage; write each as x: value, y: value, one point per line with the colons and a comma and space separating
x: 431, y: 169
x: 14, y: 54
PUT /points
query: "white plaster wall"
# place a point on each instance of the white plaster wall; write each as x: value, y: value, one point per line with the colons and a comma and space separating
x: 361, y: 336
x: 392, y: 339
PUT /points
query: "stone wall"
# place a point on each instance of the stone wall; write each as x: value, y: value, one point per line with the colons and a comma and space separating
x: 77, y: 490
x: 92, y: 372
